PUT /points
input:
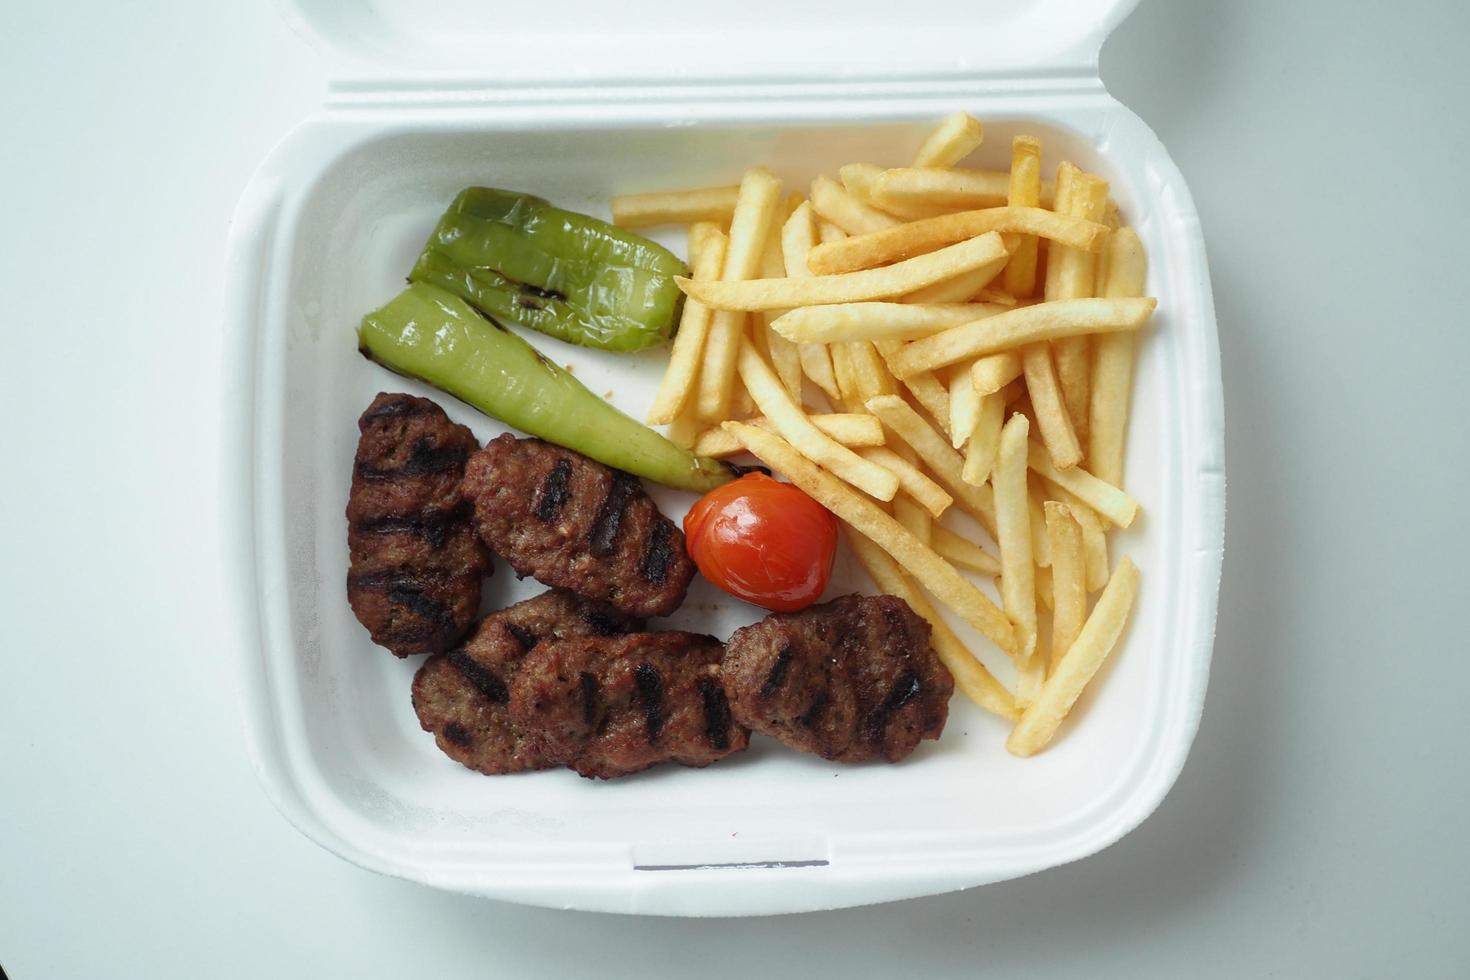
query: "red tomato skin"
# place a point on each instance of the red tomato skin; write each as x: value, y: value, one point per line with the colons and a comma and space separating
x: 763, y: 541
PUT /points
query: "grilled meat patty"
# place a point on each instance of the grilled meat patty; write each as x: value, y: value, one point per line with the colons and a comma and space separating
x: 571, y: 522
x: 609, y: 706
x: 462, y: 696
x: 417, y: 565
x: 852, y: 679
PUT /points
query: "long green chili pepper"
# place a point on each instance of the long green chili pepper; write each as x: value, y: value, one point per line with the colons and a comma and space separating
x: 427, y: 333
x: 519, y: 259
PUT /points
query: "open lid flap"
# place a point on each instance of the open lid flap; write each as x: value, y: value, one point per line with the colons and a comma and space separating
x: 506, y: 43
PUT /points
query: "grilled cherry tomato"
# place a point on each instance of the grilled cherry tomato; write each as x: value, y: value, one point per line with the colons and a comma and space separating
x: 763, y: 541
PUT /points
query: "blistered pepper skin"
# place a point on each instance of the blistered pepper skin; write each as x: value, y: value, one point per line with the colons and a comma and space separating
x: 519, y: 259
x: 430, y: 334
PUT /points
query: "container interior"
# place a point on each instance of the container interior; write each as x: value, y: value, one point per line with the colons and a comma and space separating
x: 343, y: 713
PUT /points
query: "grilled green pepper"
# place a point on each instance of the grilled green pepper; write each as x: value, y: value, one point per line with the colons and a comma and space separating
x: 517, y: 258
x: 427, y: 333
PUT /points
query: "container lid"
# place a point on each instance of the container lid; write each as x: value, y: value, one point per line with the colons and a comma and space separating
x: 511, y: 43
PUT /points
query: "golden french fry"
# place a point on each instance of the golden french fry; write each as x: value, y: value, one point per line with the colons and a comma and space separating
x: 846, y: 211
x: 937, y: 187
x: 787, y: 418
x: 1069, y: 578
x: 837, y: 322
x: 848, y: 396
x: 782, y: 353
x: 962, y: 552
x: 828, y: 232
x: 990, y: 294
x: 1094, y: 536
x: 984, y: 441
x: 681, y: 376
x: 674, y: 207
x: 993, y: 372
x: 683, y: 431
x: 893, y: 280
x: 1043, y: 589
x: 1013, y: 529
x: 1071, y: 277
x: 936, y: 452
x: 755, y: 211
x: 913, y: 517
x: 902, y: 241
x: 816, y: 363
x: 1012, y: 329
x: 1040, y: 543
x: 1040, y: 721
x: 858, y: 179
x: 852, y: 431
x: 962, y: 288
x: 1024, y: 189
x: 911, y: 479
x: 1112, y: 371
x: 933, y: 572
x: 1050, y: 411
x: 970, y: 675
x: 956, y: 137
x: 869, y: 373
x: 798, y: 236
x: 964, y: 406
x: 1104, y: 498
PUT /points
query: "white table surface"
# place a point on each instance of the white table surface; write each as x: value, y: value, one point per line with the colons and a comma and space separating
x: 1319, y: 827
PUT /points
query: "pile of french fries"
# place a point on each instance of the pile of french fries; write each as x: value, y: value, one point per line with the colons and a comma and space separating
x: 972, y: 334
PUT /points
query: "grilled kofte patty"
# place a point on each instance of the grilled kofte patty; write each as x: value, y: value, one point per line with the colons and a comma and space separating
x: 571, y: 522
x: 462, y: 696
x: 416, y: 569
x: 852, y: 679
x: 612, y: 706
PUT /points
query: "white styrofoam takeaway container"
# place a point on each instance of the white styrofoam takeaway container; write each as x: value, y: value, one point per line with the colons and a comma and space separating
x: 575, y: 101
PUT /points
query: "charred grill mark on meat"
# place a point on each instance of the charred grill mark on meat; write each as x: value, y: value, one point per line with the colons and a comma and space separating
x: 589, y: 688
x: 651, y: 696
x: 815, y: 710
x: 458, y: 734
x: 716, y: 713
x: 485, y: 680
x: 777, y: 676
x: 552, y: 496
x: 906, y: 688
x: 657, y: 556
x: 433, y: 527
x: 407, y: 589
x: 399, y: 407
x: 523, y: 636
x: 424, y: 458
x: 609, y: 517
x: 600, y: 622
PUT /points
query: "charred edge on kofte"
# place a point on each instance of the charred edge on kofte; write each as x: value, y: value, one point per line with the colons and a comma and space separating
x: 553, y: 495
x: 485, y: 680
x: 410, y: 590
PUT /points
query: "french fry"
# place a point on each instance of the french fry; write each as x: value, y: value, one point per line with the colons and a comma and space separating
x: 834, y: 323
x: 869, y: 374
x: 867, y: 518
x: 852, y: 431
x: 902, y: 241
x: 931, y: 393
x: 993, y: 372
x: 1024, y: 189
x: 1107, y: 500
x: 1094, y: 536
x: 791, y: 422
x: 858, y: 179
x: 1040, y: 543
x: 1112, y: 370
x: 1069, y: 578
x: 956, y: 289
x: 798, y: 237
x: 962, y: 552
x: 828, y: 232
x: 755, y: 210
x: 936, y: 187
x: 913, y: 517
x: 892, y: 280
x: 1051, y: 412
x: 848, y: 396
x: 1040, y: 721
x: 683, y: 430
x: 1043, y: 589
x: 1070, y: 276
x: 936, y: 452
x: 715, y: 204
x: 964, y: 406
x: 970, y: 675
x: 681, y: 376
x: 782, y: 353
x: 984, y: 441
x: 833, y: 203
x: 956, y: 137
x: 911, y: 479
x: 1013, y: 534
x: 1011, y: 329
